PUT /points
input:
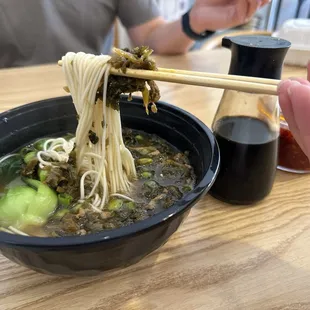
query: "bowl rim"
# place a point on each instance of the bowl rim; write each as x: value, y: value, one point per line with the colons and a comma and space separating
x: 139, y: 227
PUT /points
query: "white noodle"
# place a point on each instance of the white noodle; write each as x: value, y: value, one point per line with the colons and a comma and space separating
x: 95, y: 208
x: 93, y: 155
x: 96, y: 200
x: 113, y: 165
x: 122, y: 196
x: 17, y: 231
x: 82, y: 183
x: 13, y: 230
x: 109, y: 167
x: 6, y: 230
x: 58, y: 149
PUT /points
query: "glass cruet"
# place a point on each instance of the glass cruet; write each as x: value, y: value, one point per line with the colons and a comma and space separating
x: 246, y: 125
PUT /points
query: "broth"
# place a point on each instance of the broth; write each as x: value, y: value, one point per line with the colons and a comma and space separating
x: 164, y: 176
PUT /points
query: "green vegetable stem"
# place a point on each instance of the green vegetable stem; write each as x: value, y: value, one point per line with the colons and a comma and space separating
x: 42, y: 174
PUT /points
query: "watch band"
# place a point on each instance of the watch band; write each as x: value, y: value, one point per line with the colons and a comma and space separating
x: 190, y: 33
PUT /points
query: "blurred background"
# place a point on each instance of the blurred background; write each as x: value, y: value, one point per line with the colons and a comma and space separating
x: 269, y: 18
x: 59, y: 26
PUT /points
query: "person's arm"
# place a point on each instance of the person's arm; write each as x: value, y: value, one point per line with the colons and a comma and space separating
x: 294, y: 99
x: 169, y: 38
x: 162, y: 37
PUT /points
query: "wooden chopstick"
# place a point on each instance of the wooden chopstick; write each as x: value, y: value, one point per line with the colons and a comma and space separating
x: 197, y: 80
x: 223, y: 76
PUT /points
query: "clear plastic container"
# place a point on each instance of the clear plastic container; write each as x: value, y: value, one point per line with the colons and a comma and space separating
x: 297, y: 31
x: 291, y: 157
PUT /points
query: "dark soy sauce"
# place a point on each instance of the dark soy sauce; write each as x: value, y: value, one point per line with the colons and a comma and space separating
x: 249, y: 151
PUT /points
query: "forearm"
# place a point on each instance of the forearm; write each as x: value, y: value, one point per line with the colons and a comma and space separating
x: 163, y: 37
x: 169, y: 39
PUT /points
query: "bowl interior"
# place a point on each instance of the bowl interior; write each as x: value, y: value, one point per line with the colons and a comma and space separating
x: 57, y: 116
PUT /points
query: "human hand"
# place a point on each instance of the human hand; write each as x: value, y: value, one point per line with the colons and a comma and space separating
x: 294, y: 99
x: 221, y: 14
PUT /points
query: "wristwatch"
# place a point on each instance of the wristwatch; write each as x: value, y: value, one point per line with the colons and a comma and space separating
x: 190, y: 33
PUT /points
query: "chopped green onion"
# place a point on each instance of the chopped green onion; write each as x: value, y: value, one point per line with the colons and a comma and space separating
x: 146, y: 175
x: 115, y: 204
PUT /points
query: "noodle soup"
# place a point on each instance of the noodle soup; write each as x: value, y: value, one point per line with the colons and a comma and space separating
x: 53, y: 194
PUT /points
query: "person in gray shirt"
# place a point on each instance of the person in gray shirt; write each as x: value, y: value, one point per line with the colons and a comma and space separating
x: 41, y: 31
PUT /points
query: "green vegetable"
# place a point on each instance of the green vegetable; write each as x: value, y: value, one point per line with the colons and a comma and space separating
x: 61, y: 213
x: 64, y: 199
x: 174, y: 191
x: 144, y: 150
x: 150, y: 184
x: 42, y: 174
x: 25, y: 150
x: 29, y: 157
x: 45, y: 201
x: 146, y: 175
x: 139, y: 138
x: 23, y: 206
x: 137, y: 58
x: 144, y: 161
x: 130, y: 205
x: 10, y: 168
x: 14, y: 205
x: 76, y: 208
x: 151, y: 189
x: 40, y: 144
x: 186, y: 188
x: 115, y: 204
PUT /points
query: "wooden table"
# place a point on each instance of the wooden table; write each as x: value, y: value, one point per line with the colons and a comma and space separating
x: 222, y: 257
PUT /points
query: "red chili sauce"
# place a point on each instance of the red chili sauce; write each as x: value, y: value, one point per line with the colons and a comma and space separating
x: 291, y: 155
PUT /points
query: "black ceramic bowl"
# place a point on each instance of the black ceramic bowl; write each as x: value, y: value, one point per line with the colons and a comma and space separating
x: 91, y: 254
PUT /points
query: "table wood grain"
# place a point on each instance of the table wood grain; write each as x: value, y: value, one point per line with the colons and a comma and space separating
x: 222, y: 257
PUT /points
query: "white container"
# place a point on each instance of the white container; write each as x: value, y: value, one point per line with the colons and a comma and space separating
x: 297, y: 31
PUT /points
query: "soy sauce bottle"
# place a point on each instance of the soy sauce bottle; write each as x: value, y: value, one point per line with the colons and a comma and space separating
x: 246, y: 125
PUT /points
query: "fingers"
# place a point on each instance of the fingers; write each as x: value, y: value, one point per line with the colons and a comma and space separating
x: 253, y: 5
x: 300, y: 80
x: 264, y: 2
x: 294, y: 99
x: 241, y: 11
x: 287, y: 109
x: 300, y: 98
